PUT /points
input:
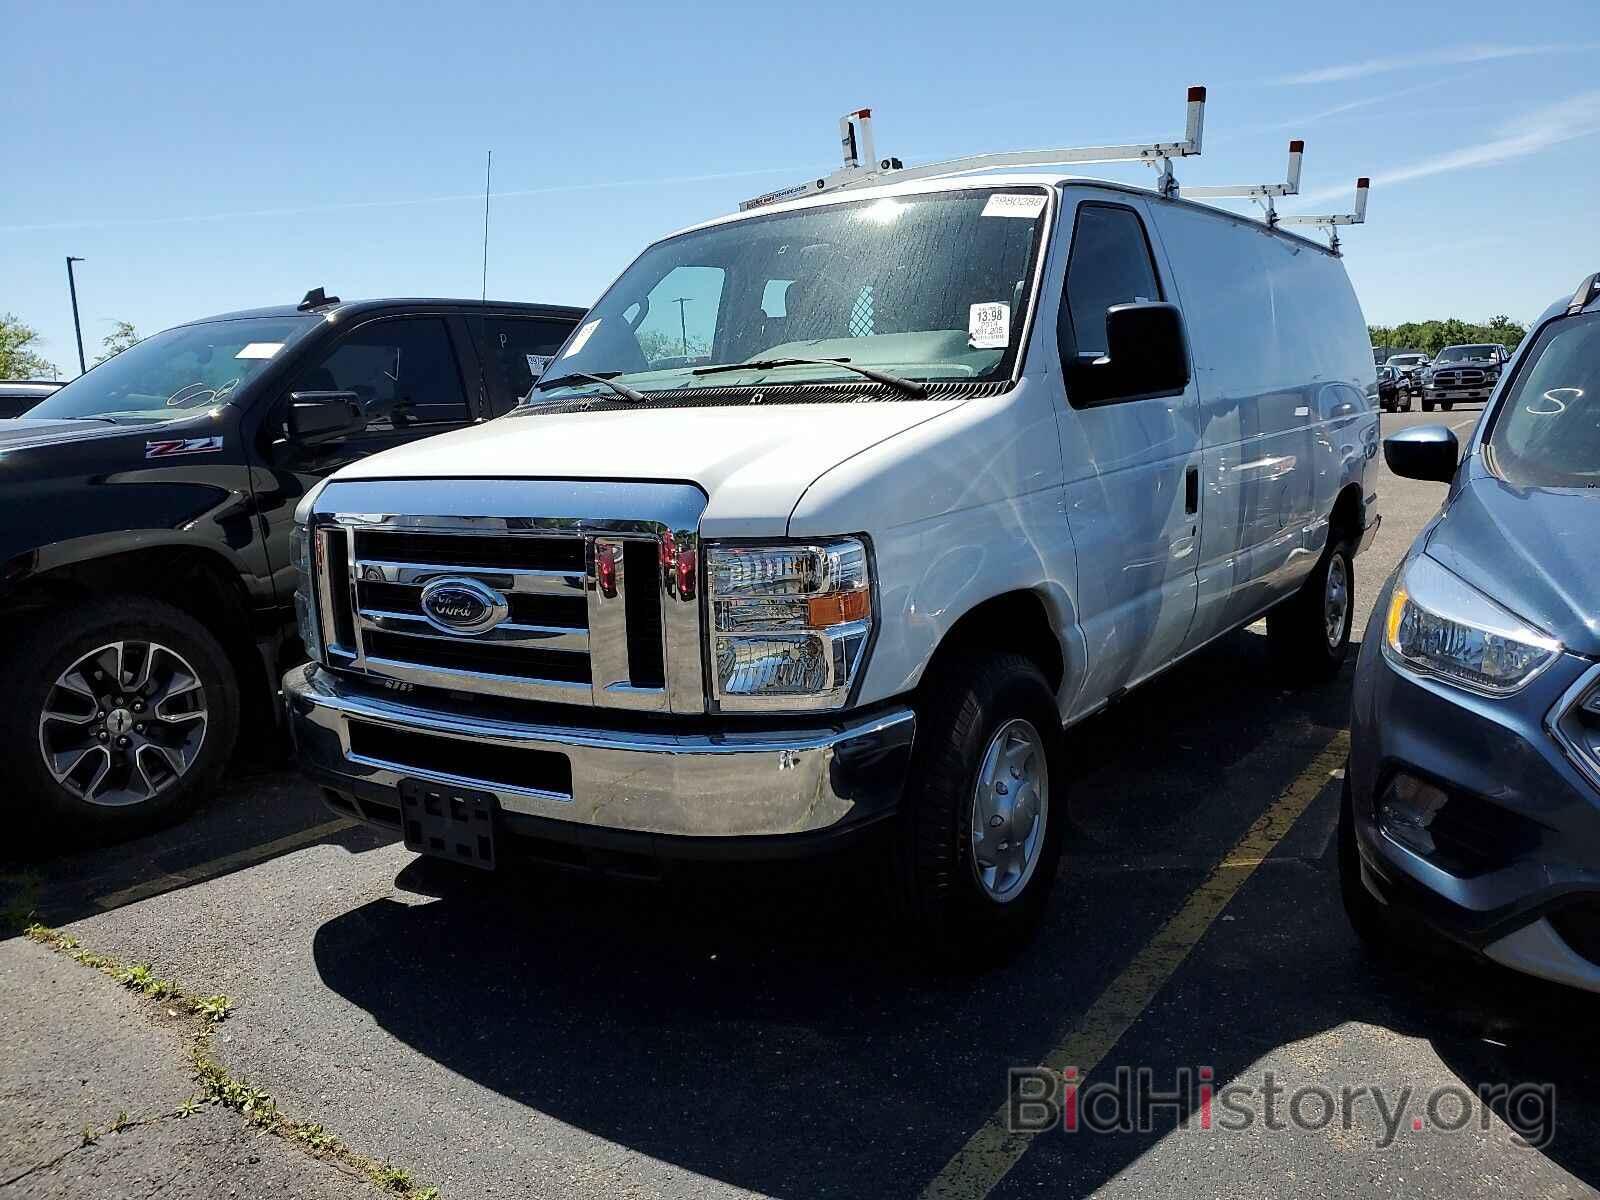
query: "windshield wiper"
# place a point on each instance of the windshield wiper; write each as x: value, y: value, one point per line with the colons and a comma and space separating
x: 609, y: 379
x: 908, y: 387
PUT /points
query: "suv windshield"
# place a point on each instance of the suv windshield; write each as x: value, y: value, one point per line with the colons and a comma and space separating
x: 1452, y: 354
x: 1547, y: 430
x: 929, y: 287
x: 176, y: 372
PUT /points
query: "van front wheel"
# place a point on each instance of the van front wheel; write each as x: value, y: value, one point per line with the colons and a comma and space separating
x: 1310, y: 632
x: 979, y: 835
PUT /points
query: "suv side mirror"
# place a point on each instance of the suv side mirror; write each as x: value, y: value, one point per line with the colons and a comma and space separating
x: 316, y: 417
x: 1426, y: 452
x: 1147, y: 355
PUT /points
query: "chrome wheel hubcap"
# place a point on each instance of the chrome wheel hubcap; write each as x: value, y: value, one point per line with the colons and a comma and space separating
x: 1010, y: 807
x: 1336, y: 600
x: 124, y: 723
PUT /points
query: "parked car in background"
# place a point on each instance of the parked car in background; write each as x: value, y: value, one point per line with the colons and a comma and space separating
x: 954, y: 468
x: 1409, y: 365
x: 1472, y: 799
x: 1393, y: 395
x: 17, y: 396
x: 1461, y: 373
x: 148, y: 593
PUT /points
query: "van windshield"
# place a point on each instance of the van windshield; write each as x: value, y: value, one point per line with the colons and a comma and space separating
x: 1547, y: 430
x: 174, y: 373
x: 933, y: 287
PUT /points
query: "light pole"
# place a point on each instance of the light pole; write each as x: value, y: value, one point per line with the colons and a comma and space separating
x: 683, y: 322
x: 77, y: 327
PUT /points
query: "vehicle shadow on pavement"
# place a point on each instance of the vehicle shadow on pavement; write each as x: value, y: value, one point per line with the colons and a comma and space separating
x: 255, y: 816
x: 762, y: 1026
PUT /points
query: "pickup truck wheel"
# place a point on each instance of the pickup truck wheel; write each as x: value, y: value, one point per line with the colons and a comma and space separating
x: 124, y: 716
x: 979, y: 836
x: 1310, y: 632
x: 1446, y: 405
x: 1427, y: 406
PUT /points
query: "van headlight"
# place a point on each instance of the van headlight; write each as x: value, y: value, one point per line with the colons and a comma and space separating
x: 305, y: 605
x: 1440, y: 625
x: 789, y: 623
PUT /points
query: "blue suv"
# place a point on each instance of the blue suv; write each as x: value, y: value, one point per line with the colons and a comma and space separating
x: 1472, y: 799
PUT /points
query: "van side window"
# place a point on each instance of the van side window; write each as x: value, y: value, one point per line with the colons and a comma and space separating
x: 1110, y: 264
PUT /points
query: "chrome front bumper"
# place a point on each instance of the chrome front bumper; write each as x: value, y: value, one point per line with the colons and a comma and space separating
x: 729, y: 784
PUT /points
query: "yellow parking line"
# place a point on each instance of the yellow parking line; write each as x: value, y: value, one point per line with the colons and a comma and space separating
x: 221, y: 866
x: 990, y: 1154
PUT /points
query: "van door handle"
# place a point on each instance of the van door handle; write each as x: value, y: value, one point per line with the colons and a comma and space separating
x: 1191, y: 491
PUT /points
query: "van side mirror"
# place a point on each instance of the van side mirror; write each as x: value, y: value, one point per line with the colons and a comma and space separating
x: 1426, y: 452
x: 1147, y: 355
x: 316, y: 417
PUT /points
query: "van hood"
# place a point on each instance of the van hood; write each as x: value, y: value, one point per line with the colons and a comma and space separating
x: 1530, y: 550
x: 753, y: 461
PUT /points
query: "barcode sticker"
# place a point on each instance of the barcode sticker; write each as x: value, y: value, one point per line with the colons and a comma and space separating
x: 538, y: 362
x: 1009, y: 204
x: 989, y: 326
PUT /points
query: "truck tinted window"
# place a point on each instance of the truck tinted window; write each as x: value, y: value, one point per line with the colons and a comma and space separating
x: 1110, y: 264
x: 403, y: 370
x: 518, y: 345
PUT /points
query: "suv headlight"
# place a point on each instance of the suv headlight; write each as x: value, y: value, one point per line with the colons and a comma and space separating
x: 305, y: 605
x: 1440, y: 625
x: 789, y: 623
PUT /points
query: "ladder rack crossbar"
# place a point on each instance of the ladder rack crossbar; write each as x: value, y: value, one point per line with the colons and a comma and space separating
x: 1258, y: 191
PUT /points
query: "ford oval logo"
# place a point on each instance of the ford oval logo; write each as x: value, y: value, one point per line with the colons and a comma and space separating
x: 466, y: 606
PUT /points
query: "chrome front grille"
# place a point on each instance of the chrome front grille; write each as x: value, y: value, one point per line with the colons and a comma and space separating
x: 596, y: 603
x: 1469, y: 377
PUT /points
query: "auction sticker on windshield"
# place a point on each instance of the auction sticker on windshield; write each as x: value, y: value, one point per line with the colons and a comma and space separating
x: 1009, y: 204
x: 582, y: 338
x: 260, y: 350
x: 989, y: 326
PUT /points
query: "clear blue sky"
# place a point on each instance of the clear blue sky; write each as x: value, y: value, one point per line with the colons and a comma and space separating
x: 206, y: 159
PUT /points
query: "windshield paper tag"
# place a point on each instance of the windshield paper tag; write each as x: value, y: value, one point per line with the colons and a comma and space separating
x: 989, y: 326
x: 169, y: 447
x: 582, y: 338
x: 1009, y: 204
x: 260, y: 350
x: 537, y: 363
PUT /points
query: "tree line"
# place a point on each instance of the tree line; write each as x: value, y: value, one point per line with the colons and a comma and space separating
x: 20, y: 357
x: 1430, y: 337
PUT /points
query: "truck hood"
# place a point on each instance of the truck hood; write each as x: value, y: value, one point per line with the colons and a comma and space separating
x: 753, y: 461
x: 1530, y: 550
x: 22, y: 432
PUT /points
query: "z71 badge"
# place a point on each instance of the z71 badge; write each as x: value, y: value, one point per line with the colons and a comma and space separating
x: 169, y: 447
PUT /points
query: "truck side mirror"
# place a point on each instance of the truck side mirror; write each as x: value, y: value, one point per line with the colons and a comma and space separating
x: 1426, y: 452
x: 316, y: 417
x: 1147, y: 355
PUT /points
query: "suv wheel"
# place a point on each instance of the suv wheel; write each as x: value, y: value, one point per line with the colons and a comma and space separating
x: 125, y: 715
x: 979, y: 837
x: 1310, y: 632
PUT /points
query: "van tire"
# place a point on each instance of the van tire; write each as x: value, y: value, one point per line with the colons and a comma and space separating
x: 1302, y: 628
x: 50, y: 813
x: 976, y: 705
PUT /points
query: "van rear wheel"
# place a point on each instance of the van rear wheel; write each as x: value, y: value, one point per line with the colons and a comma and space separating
x: 1310, y: 632
x: 978, y: 840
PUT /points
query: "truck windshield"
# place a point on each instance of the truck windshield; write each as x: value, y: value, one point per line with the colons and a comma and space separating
x: 174, y: 373
x: 1465, y: 354
x: 1547, y: 430
x: 932, y: 287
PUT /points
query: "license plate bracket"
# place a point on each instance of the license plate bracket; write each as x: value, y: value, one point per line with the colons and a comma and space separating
x: 449, y: 822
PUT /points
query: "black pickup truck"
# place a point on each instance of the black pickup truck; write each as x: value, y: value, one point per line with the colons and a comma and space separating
x: 146, y: 571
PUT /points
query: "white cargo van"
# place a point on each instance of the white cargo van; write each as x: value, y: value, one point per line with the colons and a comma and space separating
x: 831, y: 519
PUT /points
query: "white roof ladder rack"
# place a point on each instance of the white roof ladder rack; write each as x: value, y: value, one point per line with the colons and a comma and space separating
x: 1262, y: 193
x: 1332, y: 223
x: 861, y: 167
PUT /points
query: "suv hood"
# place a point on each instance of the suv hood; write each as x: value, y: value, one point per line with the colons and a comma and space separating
x: 752, y: 460
x: 1530, y: 550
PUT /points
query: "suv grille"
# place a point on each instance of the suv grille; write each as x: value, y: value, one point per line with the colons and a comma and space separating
x: 578, y: 609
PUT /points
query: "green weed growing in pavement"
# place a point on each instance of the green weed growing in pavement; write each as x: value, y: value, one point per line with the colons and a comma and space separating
x: 217, y: 1086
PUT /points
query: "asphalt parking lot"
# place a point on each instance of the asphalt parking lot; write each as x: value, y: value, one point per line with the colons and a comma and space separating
x: 733, y: 1032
